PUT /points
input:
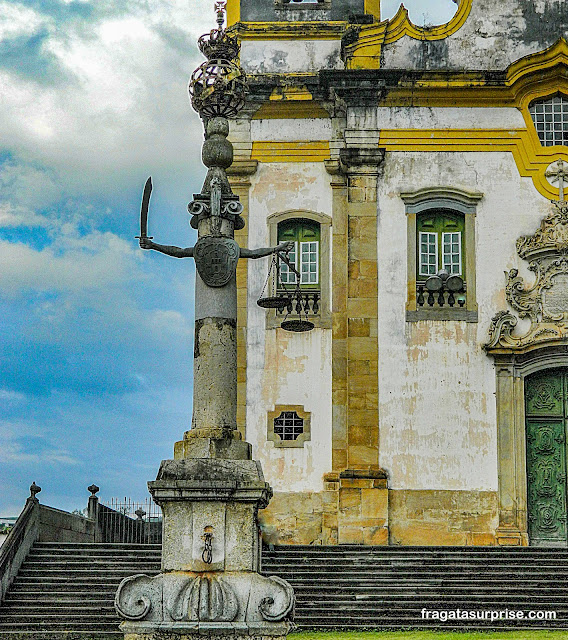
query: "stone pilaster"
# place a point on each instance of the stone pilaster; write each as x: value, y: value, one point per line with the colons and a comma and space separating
x: 356, y: 493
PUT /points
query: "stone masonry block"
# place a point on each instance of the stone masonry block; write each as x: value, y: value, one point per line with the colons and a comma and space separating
x: 362, y: 455
x: 339, y: 458
x: 375, y: 536
x: 374, y: 503
x: 364, y: 248
x: 359, y: 327
x: 350, y: 500
x: 364, y: 418
x: 362, y: 383
x: 350, y: 535
x: 368, y: 268
x: 362, y: 307
x: 357, y: 400
x: 356, y: 483
x: 339, y: 326
x: 363, y: 289
x: 363, y: 349
x: 358, y: 435
x: 359, y: 368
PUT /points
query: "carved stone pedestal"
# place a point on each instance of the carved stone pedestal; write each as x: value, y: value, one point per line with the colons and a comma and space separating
x: 209, y: 584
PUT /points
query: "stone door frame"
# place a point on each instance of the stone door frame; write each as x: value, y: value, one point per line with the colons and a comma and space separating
x: 512, y: 368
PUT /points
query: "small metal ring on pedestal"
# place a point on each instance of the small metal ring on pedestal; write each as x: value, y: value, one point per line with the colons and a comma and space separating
x: 298, y: 326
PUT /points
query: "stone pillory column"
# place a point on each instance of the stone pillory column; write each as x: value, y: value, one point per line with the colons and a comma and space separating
x: 211, y: 491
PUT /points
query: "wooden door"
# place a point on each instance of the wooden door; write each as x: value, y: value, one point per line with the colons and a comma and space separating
x: 546, y: 419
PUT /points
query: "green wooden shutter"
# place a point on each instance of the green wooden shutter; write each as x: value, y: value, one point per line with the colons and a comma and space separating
x: 306, y: 256
x: 440, y: 232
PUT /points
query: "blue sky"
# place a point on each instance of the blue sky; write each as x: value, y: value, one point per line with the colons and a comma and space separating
x: 96, y: 335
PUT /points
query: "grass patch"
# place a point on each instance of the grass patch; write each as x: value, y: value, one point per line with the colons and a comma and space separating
x: 431, y: 635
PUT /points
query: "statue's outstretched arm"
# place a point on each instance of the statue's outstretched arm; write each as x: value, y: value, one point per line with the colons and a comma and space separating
x: 284, y: 247
x: 176, y: 252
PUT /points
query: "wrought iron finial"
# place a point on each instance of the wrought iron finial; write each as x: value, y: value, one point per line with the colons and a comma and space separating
x: 220, y: 9
x: 558, y: 172
x: 218, y: 87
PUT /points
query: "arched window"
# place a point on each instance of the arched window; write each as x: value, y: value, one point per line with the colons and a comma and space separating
x: 550, y: 117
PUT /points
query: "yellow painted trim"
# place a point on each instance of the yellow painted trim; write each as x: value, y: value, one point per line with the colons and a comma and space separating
x: 531, y: 158
x: 401, y: 25
x: 233, y: 12
x: 316, y: 151
x: 365, y: 53
x: 332, y: 30
x: 532, y: 77
x: 373, y: 8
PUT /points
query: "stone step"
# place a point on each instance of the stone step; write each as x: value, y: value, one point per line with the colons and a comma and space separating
x: 61, y: 635
x: 387, y: 572
x: 111, y: 570
x: 70, y: 560
x: 83, y: 631
x: 418, y: 562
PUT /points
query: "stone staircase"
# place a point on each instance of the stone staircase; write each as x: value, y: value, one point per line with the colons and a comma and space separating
x: 365, y: 588
x: 67, y: 590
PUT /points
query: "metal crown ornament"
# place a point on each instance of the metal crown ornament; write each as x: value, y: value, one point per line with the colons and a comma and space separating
x: 218, y: 87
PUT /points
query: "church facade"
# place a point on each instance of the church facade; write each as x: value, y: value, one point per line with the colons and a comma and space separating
x: 420, y: 173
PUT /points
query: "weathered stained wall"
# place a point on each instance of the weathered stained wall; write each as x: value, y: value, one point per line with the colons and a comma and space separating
x: 436, y: 385
x: 282, y: 367
x: 269, y: 11
x: 495, y: 35
x: 285, y: 56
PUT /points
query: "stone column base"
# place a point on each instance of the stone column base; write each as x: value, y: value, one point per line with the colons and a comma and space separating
x: 200, y: 631
x: 356, y: 506
x: 511, y: 537
x: 189, y: 604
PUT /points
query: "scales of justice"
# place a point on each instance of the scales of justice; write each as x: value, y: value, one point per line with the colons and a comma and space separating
x: 211, y: 491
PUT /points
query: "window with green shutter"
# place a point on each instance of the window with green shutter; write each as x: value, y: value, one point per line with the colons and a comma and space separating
x: 306, y: 253
x: 440, y: 243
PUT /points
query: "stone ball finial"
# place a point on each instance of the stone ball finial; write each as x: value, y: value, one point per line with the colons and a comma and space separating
x: 217, y: 151
x: 93, y: 489
x: 34, y: 490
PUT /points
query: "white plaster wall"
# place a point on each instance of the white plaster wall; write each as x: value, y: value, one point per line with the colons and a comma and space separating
x: 304, y: 129
x: 290, y: 56
x: 437, y: 414
x: 449, y: 117
x: 286, y: 368
x: 495, y: 35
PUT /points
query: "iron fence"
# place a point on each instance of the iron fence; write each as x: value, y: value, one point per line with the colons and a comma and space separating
x: 129, y: 521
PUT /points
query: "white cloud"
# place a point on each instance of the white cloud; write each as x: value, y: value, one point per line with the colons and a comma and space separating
x: 6, y: 395
x: 120, y: 101
x: 20, y: 217
x: 20, y: 444
x: 95, y: 261
x: 17, y: 20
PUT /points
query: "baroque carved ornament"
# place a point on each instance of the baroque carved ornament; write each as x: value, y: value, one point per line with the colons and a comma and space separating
x: 545, y: 303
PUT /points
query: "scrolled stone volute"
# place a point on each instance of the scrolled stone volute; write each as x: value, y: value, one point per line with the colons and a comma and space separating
x: 133, y: 599
x: 279, y: 605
